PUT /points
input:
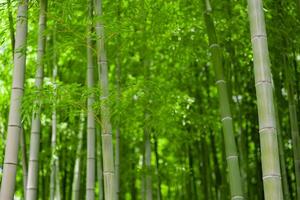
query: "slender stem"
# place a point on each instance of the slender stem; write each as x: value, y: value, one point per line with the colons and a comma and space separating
x: 77, y: 168
x: 24, y: 159
x: 265, y: 103
x: 230, y: 144
x: 91, y: 129
x: 14, y: 120
x: 107, y: 144
x: 32, y: 184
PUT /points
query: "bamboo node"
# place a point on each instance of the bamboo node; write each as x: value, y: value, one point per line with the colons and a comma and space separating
x: 272, y: 176
x: 214, y: 45
x: 263, y: 82
x: 231, y: 157
x: 237, y: 197
x: 220, y: 81
x: 258, y: 36
x: 267, y: 128
x: 227, y: 117
x: 17, y: 88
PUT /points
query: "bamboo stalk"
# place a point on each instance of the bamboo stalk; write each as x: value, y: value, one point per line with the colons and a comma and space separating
x: 99, y: 164
x: 265, y: 103
x: 90, y: 175
x: 24, y: 160
x: 32, y: 184
x: 294, y: 126
x: 14, y: 119
x: 107, y: 144
x: 225, y: 111
x: 54, y: 177
x: 77, y: 168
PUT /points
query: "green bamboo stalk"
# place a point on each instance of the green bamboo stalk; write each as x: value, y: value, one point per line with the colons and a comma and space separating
x: 286, y: 192
x: 157, y: 169
x: 118, y: 99
x: 77, y: 167
x: 24, y: 160
x: 294, y: 126
x: 230, y: 144
x: 265, y: 103
x: 148, y: 180
x: 99, y: 164
x: 54, y: 177
x: 107, y: 145
x: 32, y: 183
x: 91, y: 129
x: 14, y: 120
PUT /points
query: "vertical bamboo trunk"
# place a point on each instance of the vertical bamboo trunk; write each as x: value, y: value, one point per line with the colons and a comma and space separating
x: 143, y: 180
x: 230, y: 145
x: 118, y: 88
x: 148, y: 166
x: 99, y: 164
x: 107, y: 144
x: 77, y: 168
x: 294, y: 127
x: 117, y: 164
x: 14, y: 120
x: 192, y: 178
x: 54, y: 178
x: 57, y: 181
x: 32, y: 184
x: 53, y: 160
x: 117, y: 147
x: 283, y: 168
x: 157, y: 168
x: 24, y: 160
x: 90, y: 175
x: 265, y: 103
x: 133, y: 192
x: 216, y: 167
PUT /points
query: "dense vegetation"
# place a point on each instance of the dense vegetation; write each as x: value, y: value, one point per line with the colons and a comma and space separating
x: 149, y: 99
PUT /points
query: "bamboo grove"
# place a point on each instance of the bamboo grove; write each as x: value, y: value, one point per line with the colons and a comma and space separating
x: 149, y: 100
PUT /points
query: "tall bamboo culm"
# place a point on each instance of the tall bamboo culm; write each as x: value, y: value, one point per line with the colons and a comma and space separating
x: 107, y: 144
x: 90, y: 175
x: 54, y: 177
x: 24, y: 160
x: 77, y: 167
x: 14, y: 119
x: 294, y: 125
x: 32, y: 183
x: 99, y: 164
x: 225, y: 111
x: 265, y: 103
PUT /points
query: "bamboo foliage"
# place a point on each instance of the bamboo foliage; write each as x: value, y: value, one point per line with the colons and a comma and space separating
x: 168, y: 131
x: 265, y: 103
x: 14, y: 119
x: 32, y: 184
x: 230, y: 144
x: 107, y: 145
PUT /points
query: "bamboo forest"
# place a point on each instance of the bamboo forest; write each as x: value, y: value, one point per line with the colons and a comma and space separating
x: 149, y: 100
